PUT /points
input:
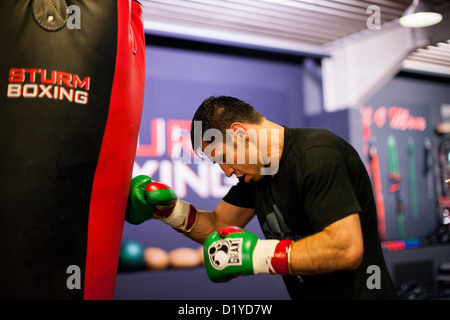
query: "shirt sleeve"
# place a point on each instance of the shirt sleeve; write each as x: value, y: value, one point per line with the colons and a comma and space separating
x: 239, y: 195
x: 326, y: 186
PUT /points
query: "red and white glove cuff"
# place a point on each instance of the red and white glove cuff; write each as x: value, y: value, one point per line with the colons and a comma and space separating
x: 272, y: 256
x: 182, y: 217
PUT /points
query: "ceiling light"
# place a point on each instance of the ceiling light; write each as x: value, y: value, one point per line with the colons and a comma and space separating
x: 419, y: 15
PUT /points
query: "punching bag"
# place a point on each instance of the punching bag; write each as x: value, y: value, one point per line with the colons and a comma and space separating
x: 71, y: 95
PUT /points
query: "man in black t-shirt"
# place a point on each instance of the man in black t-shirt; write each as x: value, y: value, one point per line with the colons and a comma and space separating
x: 311, y: 194
x: 320, y: 181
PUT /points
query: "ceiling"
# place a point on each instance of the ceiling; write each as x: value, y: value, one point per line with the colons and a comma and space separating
x: 300, y: 25
x: 434, y: 59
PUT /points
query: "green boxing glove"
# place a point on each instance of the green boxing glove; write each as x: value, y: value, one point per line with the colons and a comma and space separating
x: 233, y: 252
x: 149, y: 199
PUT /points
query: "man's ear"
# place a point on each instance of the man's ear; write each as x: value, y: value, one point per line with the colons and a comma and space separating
x: 237, y: 129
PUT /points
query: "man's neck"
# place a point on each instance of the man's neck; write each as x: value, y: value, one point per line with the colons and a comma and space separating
x: 273, y: 142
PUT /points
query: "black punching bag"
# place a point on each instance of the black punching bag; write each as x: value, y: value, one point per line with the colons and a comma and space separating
x: 71, y: 95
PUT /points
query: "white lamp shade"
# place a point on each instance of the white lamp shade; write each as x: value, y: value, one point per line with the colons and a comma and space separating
x: 419, y: 15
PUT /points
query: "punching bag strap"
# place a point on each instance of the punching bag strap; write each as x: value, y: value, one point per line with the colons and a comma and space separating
x: 51, y: 15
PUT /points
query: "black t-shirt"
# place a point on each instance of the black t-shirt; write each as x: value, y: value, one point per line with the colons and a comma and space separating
x: 320, y: 180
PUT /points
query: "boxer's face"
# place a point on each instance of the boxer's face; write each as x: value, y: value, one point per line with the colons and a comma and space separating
x: 246, y: 150
x: 240, y: 160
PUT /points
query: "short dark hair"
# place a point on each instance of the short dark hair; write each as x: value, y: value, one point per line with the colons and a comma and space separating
x: 220, y: 113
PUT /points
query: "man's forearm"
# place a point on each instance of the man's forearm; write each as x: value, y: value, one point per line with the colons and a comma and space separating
x: 204, y: 226
x: 338, y: 247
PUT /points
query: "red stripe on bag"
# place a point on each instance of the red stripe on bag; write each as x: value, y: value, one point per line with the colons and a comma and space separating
x: 114, y: 168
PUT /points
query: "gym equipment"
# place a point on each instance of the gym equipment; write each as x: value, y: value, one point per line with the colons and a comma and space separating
x: 412, y: 178
x: 394, y: 175
x: 131, y: 256
x: 378, y: 190
x: 72, y: 90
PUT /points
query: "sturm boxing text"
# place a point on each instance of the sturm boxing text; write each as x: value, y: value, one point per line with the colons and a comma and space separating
x: 51, y: 84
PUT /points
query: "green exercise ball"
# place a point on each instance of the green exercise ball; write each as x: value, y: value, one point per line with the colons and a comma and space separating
x: 131, y: 256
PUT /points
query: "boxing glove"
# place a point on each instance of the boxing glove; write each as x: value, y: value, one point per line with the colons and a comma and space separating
x: 233, y: 252
x: 149, y: 199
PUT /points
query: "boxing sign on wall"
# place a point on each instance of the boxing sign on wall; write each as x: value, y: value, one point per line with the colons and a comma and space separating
x: 168, y: 157
x: 394, y: 145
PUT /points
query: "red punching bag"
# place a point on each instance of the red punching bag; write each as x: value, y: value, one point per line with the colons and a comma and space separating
x: 71, y: 93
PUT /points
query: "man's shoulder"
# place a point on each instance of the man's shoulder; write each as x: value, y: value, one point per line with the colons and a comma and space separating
x: 305, y: 138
